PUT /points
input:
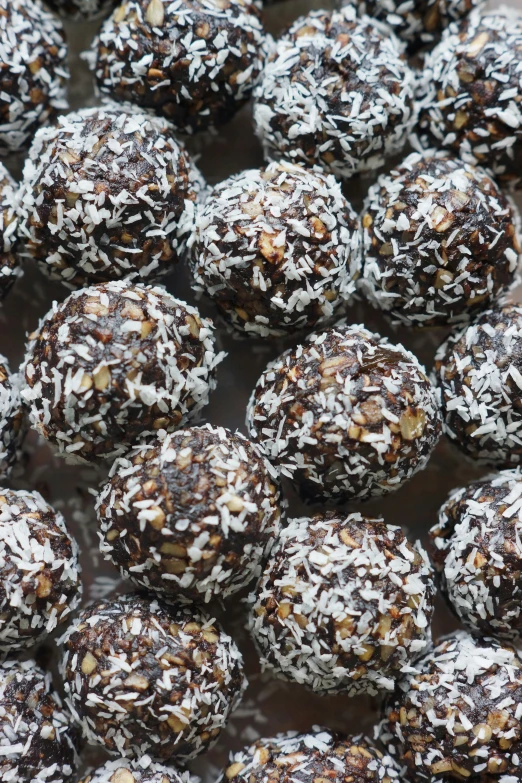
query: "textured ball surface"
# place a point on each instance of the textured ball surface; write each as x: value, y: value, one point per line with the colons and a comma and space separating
x: 193, y: 62
x: 107, y: 193
x: 10, y: 267
x: 276, y: 249
x: 297, y: 758
x: 33, y: 72
x: 470, y: 94
x: 39, y: 570
x: 344, y: 604
x: 130, y: 771
x: 114, y: 362
x: 195, y: 513
x: 12, y: 418
x: 457, y: 716
x: 440, y: 241
x: 335, y: 91
x: 478, y: 372
x: 418, y: 22
x: 346, y: 414
x: 34, y: 726
x: 82, y: 9
x: 476, y: 548
x: 143, y: 677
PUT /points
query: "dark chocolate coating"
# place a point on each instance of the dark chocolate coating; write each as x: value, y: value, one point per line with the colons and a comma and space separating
x: 33, y: 71
x: 344, y: 604
x: 139, y: 361
x: 469, y: 94
x: 35, y: 726
x: 107, y: 193
x: 180, y: 678
x: 439, y: 241
x: 194, y: 513
x: 300, y: 758
x: 202, y: 58
x: 478, y: 372
x: 457, y: 717
x: 313, y: 416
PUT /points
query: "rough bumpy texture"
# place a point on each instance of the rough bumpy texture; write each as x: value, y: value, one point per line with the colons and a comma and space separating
x: 10, y: 267
x: 277, y: 249
x: 143, y: 677
x: 440, y: 241
x: 476, y: 548
x: 39, y: 570
x: 142, y: 771
x: 12, y: 418
x: 418, y: 22
x: 345, y: 415
x: 194, y: 61
x: 114, y: 362
x: 301, y: 758
x: 37, y: 740
x: 82, y: 9
x: 33, y: 72
x: 193, y: 513
x: 470, y: 94
x: 459, y: 714
x: 478, y: 372
x: 344, y: 604
x: 335, y: 91
x: 107, y: 193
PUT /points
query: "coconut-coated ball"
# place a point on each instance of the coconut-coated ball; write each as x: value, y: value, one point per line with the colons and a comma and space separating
x: 456, y: 715
x: 476, y: 549
x: 345, y: 415
x: 192, y: 61
x: 10, y: 267
x: 40, y: 581
x: 114, y: 362
x: 478, y: 373
x: 195, y: 513
x: 440, y: 241
x: 142, y: 771
x: 344, y: 604
x: 33, y: 72
x: 469, y: 93
x: 107, y: 193
x: 336, y: 91
x: 276, y: 249
x: 37, y: 734
x: 149, y: 678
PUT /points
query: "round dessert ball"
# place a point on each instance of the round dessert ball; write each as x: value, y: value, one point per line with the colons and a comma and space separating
x: 39, y: 570
x: 344, y: 604
x: 336, y: 91
x: 194, y: 513
x: 144, y: 677
x: 82, y: 9
x: 440, y: 241
x: 10, y: 267
x: 478, y: 372
x: 33, y: 72
x: 131, y: 771
x: 476, y: 549
x: 193, y: 62
x: 345, y: 415
x: 299, y: 758
x: 34, y: 728
x: 457, y: 715
x: 276, y: 249
x: 107, y: 193
x: 12, y: 418
x: 419, y: 22
x: 469, y: 93
x: 115, y: 362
